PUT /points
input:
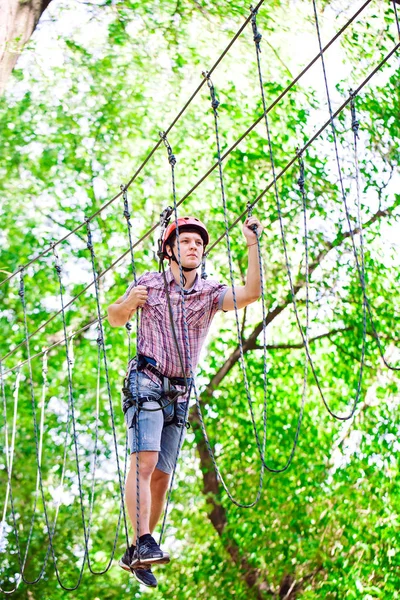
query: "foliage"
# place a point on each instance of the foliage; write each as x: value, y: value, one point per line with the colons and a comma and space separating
x: 78, y: 127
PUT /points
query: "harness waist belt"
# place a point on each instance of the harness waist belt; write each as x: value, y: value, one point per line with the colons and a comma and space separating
x: 145, y: 362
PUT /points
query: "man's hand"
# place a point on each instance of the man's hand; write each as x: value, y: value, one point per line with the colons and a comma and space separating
x: 122, y: 310
x: 248, y: 233
x: 137, y: 297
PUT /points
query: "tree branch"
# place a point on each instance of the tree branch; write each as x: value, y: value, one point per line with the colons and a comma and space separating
x: 272, y: 314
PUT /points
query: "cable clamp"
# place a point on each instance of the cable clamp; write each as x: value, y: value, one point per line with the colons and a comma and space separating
x: 355, y: 124
x: 89, y: 234
x: 127, y: 214
x: 301, y: 179
x: 214, y: 101
x: 21, y: 291
x: 257, y: 37
x: 171, y: 156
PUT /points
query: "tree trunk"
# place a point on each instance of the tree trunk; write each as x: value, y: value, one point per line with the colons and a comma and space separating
x: 18, y: 19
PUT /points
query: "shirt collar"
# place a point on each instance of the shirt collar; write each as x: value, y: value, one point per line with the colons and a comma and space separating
x: 198, y: 282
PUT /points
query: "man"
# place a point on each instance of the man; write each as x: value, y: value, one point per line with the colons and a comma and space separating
x: 156, y: 375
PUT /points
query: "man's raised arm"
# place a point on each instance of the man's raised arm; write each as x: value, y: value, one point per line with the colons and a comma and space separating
x: 122, y: 309
x: 251, y: 291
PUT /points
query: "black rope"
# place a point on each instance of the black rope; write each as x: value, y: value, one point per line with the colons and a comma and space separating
x: 101, y: 334
x: 281, y: 95
x: 234, y: 223
x: 396, y: 16
x: 257, y: 39
x: 360, y: 268
x: 214, y: 105
x: 39, y: 471
x: 146, y: 160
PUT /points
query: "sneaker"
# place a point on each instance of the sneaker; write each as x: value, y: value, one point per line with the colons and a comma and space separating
x: 149, y: 552
x: 145, y: 576
x: 125, y: 561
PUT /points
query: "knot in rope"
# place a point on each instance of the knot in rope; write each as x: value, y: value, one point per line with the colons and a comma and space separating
x: 127, y: 214
x: 128, y: 327
x: 214, y: 100
x: 57, y: 264
x: 21, y: 291
x: 89, y: 234
x: 249, y: 214
x: 301, y: 179
x: 100, y: 340
x: 355, y: 124
x: 165, y: 217
x: 171, y: 156
x: 257, y: 37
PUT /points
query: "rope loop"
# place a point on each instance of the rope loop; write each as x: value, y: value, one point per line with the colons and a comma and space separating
x: 171, y: 156
x: 89, y: 234
x: 257, y: 37
x: 301, y: 179
x: 214, y: 100
x: 57, y: 262
x: 127, y: 214
x: 21, y: 291
x: 355, y: 124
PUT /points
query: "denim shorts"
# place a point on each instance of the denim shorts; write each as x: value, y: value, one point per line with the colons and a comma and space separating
x: 156, y: 432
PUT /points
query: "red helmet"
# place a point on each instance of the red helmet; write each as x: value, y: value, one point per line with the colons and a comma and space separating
x: 185, y: 223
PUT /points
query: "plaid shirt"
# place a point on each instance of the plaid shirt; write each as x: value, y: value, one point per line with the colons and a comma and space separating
x: 155, y: 335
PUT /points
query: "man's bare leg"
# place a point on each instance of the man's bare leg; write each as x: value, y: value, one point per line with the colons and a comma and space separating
x: 147, y: 464
x: 158, y: 488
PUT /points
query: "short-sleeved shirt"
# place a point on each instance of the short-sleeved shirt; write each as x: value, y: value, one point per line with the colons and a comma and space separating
x: 156, y: 339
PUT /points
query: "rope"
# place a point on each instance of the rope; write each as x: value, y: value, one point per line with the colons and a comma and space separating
x: 100, y: 341
x: 172, y: 162
x: 360, y: 269
x: 143, y: 164
x: 214, y: 105
x: 9, y: 452
x: 257, y: 41
x: 50, y: 534
x: 225, y: 155
x: 396, y: 17
x: 234, y: 223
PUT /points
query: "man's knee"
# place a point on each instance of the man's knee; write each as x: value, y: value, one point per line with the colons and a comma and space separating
x: 147, y: 463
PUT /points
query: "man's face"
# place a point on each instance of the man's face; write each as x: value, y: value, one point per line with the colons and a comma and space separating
x: 191, y: 248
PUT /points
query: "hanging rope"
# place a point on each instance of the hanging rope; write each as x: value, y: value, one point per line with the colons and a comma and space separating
x: 257, y: 42
x: 360, y: 267
x: 225, y: 155
x: 101, y: 343
x: 143, y: 164
x: 242, y: 215
x: 9, y: 452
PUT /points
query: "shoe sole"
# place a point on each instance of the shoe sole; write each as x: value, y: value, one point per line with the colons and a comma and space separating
x: 128, y: 568
x: 163, y: 560
x: 124, y: 566
x: 141, y: 581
